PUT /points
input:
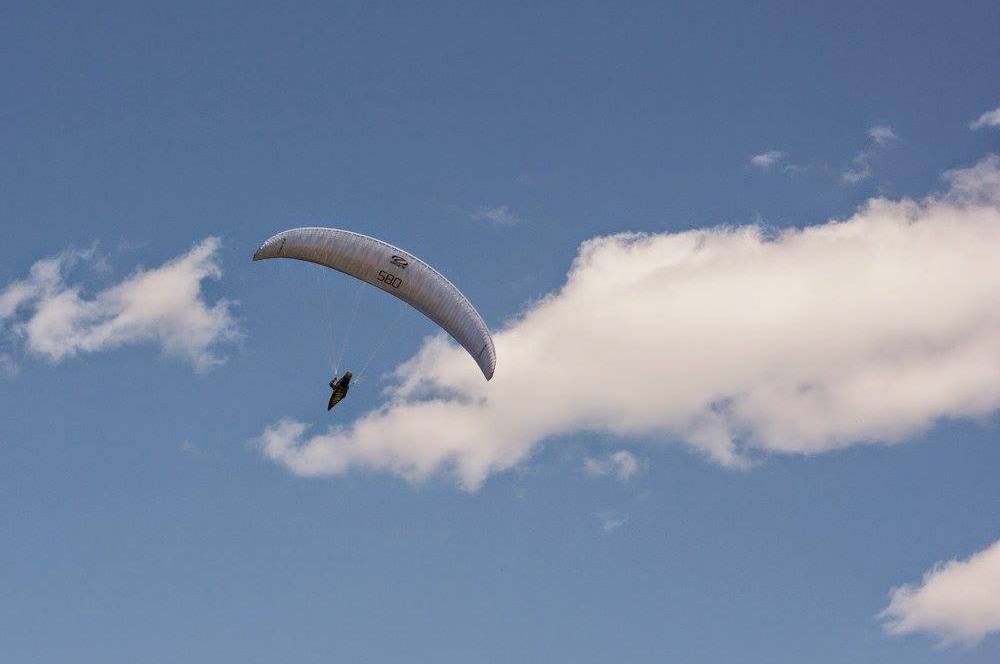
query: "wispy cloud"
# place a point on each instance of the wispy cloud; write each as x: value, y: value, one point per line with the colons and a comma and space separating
x: 611, y: 519
x: 501, y: 215
x: 163, y: 305
x: 861, y: 171
x: 772, y: 160
x: 882, y: 134
x: 729, y: 340
x: 8, y: 366
x: 879, y: 137
x: 768, y: 159
x: 188, y: 447
x: 956, y: 601
x: 621, y: 464
x: 987, y: 119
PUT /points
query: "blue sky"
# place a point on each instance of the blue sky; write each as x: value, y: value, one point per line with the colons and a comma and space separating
x: 692, y: 504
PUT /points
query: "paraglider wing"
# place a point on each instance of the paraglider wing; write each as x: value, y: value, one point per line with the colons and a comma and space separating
x: 395, y: 271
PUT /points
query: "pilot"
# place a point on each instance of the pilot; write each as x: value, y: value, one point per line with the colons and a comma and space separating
x: 339, y: 388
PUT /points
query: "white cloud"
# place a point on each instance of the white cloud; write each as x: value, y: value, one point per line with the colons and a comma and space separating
x: 44, y: 278
x: 987, y: 119
x: 882, y: 134
x: 611, y: 520
x: 978, y: 185
x: 621, y: 464
x: 501, y: 215
x: 957, y: 601
x: 729, y: 340
x: 862, y: 170
x: 766, y: 160
x: 879, y: 137
x: 164, y: 305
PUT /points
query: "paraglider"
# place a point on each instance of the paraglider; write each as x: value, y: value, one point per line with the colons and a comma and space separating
x: 395, y: 271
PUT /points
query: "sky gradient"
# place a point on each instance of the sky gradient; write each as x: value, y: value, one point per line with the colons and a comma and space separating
x: 773, y: 461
